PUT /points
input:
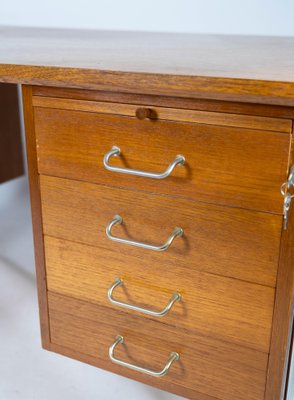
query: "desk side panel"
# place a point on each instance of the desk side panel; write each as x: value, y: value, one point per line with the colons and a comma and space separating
x: 282, y: 332
x: 36, y: 215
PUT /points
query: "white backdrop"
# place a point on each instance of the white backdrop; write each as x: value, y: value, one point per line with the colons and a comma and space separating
x: 253, y: 17
x: 262, y: 17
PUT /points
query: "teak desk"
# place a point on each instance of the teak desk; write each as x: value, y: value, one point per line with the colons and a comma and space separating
x: 161, y: 183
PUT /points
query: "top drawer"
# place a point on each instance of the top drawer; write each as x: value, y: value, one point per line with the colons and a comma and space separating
x: 230, y: 159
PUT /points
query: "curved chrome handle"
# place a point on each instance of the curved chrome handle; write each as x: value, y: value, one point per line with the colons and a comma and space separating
x: 119, y: 282
x: 119, y: 339
x: 115, y: 151
x: 117, y: 219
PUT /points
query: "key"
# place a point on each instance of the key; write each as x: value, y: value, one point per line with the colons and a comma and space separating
x: 287, y: 203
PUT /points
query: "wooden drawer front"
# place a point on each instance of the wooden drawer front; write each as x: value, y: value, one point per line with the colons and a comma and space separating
x: 221, y: 240
x: 208, y: 369
x: 222, y: 308
x: 231, y: 165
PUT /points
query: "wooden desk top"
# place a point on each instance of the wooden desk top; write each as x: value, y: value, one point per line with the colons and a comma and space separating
x: 241, y: 68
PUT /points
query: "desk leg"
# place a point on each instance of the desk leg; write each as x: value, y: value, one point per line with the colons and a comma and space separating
x: 11, y: 156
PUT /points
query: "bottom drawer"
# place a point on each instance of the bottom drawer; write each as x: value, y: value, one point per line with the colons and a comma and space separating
x: 208, y: 369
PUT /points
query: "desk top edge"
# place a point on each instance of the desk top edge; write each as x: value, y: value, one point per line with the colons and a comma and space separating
x: 241, y: 68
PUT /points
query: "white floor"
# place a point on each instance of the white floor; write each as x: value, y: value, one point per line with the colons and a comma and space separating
x: 26, y: 371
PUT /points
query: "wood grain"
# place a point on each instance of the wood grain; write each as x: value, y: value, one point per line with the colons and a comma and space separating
x: 36, y: 214
x: 227, y: 309
x: 11, y: 158
x: 164, y: 113
x: 164, y: 101
x: 224, y: 165
x: 223, y: 241
x: 128, y: 373
x: 171, y: 64
x: 237, y: 373
x: 237, y: 167
x: 279, y: 361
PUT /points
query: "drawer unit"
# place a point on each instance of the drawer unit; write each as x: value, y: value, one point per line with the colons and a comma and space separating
x: 161, y: 239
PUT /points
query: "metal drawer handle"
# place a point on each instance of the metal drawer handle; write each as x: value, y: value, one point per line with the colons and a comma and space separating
x: 119, y: 339
x: 117, y: 219
x: 119, y: 282
x: 115, y: 151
